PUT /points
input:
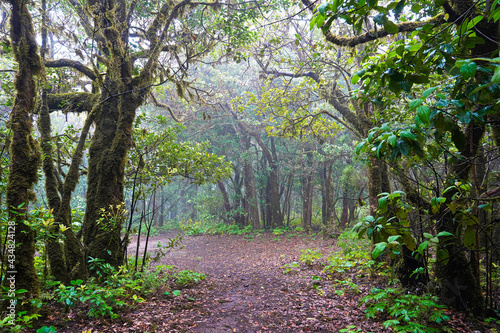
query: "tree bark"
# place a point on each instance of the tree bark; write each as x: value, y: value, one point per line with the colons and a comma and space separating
x: 225, y: 197
x: 251, y: 203
x: 24, y: 161
x: 276, y: 216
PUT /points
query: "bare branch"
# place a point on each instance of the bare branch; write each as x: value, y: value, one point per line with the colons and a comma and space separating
x: 165, y: 106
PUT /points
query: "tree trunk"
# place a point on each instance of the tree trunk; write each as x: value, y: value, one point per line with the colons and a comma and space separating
x: 307, y: 191
x: 460, y: 288
x: 273, y: 202
x: 251, y: 203
x: 225, y: 197
x: 327, y: 194
x: 107, y: 157
x: 24, y: 163
x: 345, y: 208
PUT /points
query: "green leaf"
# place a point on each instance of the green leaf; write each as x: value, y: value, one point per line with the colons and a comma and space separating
x: 424, y: 113
x: 394, y: 86
x: 407, y: 134
x: 416, y: 102
x: 312, y: 24
x: 392, y: 140
x: 322, y: 8
x: 399, y: 8
x: 468, y: 69
x: 496, y: 75
x: 422, y: 247
x: 470, y: 236
x: 444, y: 234
x: 46, y: 329
x: 360, y: 147
x: 474, y: 21
x: 428, y: 92
x: 427, y: 235
x: 402, y: 148
x: 486, y: 207
x: 355, y: 79
x: 393, y: 238
x: 382, y: 203
x: 379, y: 248
x: 320, y: 20
x: 442, y: 256
x: 390, y: 27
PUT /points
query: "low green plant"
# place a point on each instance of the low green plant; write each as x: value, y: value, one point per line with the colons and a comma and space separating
x: 173, y: 293
x: 346, y: 286
x: 153, y: 231
x: 350, y: 329
x: 339, y: 264
x: 110, y: 289
x: 290, y: 268
x: 47, y: 329
x: 351, y: 243
x: 280, y: 231
x: 20, y: 323
x: 299, y: 229
x: 188, y: 278
x: 403, y: 312
x: 310, y: 256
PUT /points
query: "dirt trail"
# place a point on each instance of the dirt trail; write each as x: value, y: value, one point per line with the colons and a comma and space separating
x: 246, y: 290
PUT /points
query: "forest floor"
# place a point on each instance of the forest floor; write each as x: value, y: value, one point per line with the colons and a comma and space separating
x: 245, y: 290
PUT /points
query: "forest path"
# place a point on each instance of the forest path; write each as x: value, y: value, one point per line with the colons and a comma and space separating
x: 246, y: 291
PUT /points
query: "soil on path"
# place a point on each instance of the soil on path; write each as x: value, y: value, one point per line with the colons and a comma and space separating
x: 246, y: 291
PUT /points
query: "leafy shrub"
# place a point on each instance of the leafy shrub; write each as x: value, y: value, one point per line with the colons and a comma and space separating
x: 280, y: 231
x: 405, y: 312
x: 153, y: 231
x: 299, y: 229
x: 110, y: 289
x: 290, y: 268
x: 188, y: 278
x: 343, y: 286
x: 350, y: 242
x: 310, y: 256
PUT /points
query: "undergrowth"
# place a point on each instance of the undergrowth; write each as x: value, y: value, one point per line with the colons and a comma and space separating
x: 107, y: 292
x: 404, y: 312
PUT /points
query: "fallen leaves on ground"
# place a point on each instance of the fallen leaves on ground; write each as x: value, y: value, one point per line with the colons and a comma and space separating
x: 245, y: 291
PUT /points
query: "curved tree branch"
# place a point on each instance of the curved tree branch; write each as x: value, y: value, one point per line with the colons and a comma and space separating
x: 73, y: 64
x: 372, y: 34
x: 380, y: 33
x: 165, y: 106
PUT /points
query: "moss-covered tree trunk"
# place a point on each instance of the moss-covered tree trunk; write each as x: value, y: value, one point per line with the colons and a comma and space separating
x: 327, y: 200
x: 66, y: 260
x: 24, y: 159
x: 459, y: 286
x: 107, y: 156
x: 274, y: 207
x: 251, y: 203
x: 307, y: 192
